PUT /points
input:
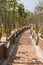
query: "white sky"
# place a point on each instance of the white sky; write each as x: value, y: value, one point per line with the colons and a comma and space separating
x: 29, y: 4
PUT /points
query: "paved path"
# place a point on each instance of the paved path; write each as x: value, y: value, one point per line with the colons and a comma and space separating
x: 26, y: 53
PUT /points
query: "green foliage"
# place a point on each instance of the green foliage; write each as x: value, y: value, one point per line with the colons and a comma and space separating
x: 13, y: 13
x: 38, y: 17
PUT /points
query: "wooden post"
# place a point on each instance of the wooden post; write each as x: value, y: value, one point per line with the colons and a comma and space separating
x: 5, y: 51
x: 37, y: 40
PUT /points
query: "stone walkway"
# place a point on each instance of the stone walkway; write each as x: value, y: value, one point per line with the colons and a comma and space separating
x: 26, y: 53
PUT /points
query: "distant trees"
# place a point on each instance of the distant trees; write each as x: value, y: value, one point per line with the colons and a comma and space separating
x: 38, y: 17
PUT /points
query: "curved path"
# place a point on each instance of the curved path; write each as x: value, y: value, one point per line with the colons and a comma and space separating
x: 26, y: 53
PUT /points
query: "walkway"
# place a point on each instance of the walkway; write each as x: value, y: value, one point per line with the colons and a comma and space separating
x: 26, y: 53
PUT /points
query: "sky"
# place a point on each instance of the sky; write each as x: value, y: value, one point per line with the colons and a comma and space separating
x: 29, y: 4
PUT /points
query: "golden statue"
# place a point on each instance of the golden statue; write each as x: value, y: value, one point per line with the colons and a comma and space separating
x: 3, y: 31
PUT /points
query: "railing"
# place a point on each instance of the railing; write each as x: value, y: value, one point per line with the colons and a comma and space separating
x: 5, y: 46
x: 38, y: 39
x: 40, y: 43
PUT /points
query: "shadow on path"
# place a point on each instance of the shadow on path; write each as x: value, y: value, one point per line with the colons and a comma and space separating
x: 14, y: 57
